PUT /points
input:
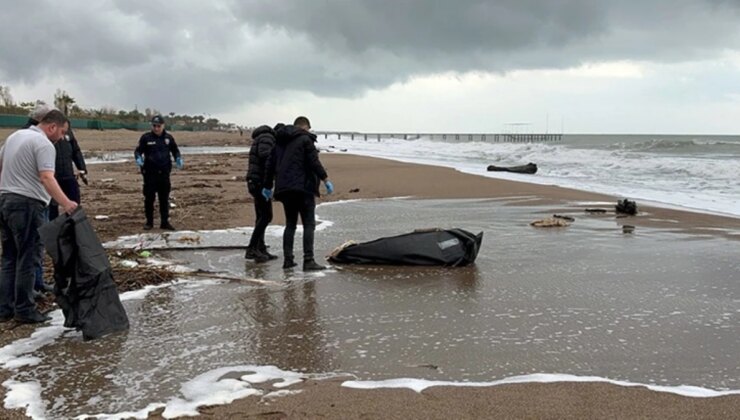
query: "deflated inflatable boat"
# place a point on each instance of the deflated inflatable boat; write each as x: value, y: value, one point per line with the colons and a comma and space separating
x: 451, y: 248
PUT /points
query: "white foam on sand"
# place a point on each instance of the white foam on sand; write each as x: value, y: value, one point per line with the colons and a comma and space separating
x: 234, y: 237
x: 18, y: 354
x: 14, y: 355
x: 215, y: 388
x: 420, y: 385
x: 227, y: 384
x: 23, y: 395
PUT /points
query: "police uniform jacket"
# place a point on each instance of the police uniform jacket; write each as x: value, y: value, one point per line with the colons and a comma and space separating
x: 156, y: 151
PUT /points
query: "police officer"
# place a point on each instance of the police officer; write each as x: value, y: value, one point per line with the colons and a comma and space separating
x: 153, y: 158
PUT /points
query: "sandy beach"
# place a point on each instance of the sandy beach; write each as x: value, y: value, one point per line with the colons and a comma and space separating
x: 210, y: 194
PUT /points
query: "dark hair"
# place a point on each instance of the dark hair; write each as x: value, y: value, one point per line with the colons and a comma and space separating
x: 302, y: 121
x: 54, y: 116
x: 278, y: 126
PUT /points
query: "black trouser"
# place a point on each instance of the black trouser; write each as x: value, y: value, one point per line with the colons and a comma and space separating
x: 263, y: 217
x: 20, y: 219
x: 295, y: 204
x: 71, y: 189
x: 157, y: 184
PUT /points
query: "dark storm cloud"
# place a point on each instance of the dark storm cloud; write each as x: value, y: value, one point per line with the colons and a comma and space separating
x: 419, y: 28
x: 190, y: 56
x: 41, y: 38
x: 507, y: 34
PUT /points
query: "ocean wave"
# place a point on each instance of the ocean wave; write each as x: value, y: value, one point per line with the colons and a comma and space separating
x: 663, y: 170
x: 694, y: 145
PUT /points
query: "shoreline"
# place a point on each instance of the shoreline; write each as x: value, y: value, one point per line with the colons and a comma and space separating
x: 214, y: 185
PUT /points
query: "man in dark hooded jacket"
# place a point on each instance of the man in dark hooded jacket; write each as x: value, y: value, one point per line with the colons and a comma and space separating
x: 68, y: 154
x: 263, y: 140
x: 295, y: 169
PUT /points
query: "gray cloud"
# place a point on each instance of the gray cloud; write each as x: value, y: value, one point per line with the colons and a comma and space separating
x: 215, y: 55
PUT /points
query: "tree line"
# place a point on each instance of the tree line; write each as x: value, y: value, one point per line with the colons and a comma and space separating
x: 67, y: 104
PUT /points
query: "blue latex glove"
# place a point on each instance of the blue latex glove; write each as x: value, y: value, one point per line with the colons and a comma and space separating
x: 179, y: 163
x: 329, y: 187
x: 139, y: 161
x: 267, y: 193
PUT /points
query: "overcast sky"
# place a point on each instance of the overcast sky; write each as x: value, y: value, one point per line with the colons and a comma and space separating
x: 584, y: 66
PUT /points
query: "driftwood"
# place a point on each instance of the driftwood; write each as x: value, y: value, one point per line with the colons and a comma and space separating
x: 529, y: 168
x: 551, y: 222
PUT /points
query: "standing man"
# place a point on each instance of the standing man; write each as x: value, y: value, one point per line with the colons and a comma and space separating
x: 68, y: 154
x: 153, y: 159
x: 295, y: 168
x: 39, y: 287
x: 26, y: 185
x: 263, y: 140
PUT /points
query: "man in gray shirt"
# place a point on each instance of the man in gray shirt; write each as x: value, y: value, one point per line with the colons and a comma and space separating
x: 27, y: 184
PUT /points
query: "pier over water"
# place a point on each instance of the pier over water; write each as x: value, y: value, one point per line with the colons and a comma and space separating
x: 482, y: 137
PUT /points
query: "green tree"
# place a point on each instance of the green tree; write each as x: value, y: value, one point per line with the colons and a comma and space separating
x: 62, y: 101
x: 5, y: 97
x: 212, y: 123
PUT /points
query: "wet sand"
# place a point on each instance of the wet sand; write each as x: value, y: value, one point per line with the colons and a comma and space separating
x: 328, y: 399
x: 214, y: 185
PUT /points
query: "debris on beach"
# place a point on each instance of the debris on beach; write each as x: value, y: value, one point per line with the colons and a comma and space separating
x: 551, y: 222
x: 595, y: 211
x: 628, y: 228
x: 425, y: 365
x: 189, y: 239
x: 568, y: 218
x: 101, y: 217
x: 530, y: 168
x: 354, y: 190
x: 129, y: 264
x: 626, y: 206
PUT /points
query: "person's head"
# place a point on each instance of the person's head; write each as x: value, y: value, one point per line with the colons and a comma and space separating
x: 54, y: 124
x: 158, y: 125
x: 302, y: 122
x: 278, y: 126
x: 39, y: 112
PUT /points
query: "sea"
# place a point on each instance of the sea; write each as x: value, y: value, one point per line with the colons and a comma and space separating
x: 692, y: 172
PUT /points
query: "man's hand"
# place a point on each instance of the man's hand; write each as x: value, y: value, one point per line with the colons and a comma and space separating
x: 139, y: 161
x: 69, y: 207
x: 179, y: 163
x: 52, y: 187
x: 83, y: 177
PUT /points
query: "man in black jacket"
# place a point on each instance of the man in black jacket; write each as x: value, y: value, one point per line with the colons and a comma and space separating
x: 295, y: 169
x: 263, y: 140
x: 68, y: 154
x: 153, y: 158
